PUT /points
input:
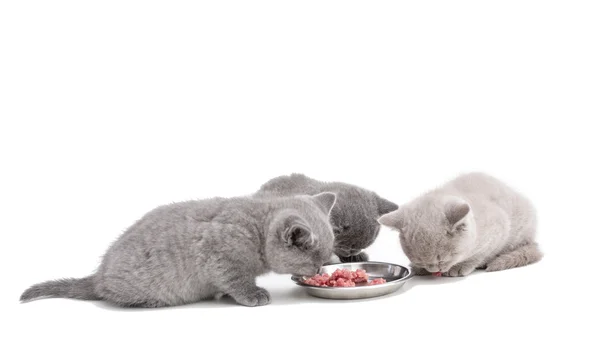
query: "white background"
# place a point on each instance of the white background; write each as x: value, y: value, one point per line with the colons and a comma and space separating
x: 110, y: 108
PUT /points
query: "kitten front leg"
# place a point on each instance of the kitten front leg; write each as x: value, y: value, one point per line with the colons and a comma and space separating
x: 237, y: 279
x: 419, y: 271
x: 244, y: 291
x: 251, y: 296
x: 461, y: 269
x: 362, y: 256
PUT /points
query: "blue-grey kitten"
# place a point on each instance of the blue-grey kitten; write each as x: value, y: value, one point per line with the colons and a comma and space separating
x: 185, y: 252
x: 353, y: 218
x: 474, y: 221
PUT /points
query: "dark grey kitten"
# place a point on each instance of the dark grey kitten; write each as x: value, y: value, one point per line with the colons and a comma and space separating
x: 353, y: 218
x: 185, y: 252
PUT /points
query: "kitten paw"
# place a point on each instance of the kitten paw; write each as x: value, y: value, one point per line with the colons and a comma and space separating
x: 259, y: 297
x: 498, y: 264
x: 362, y: 256
x: 334, y: 259
x: 459, y: 270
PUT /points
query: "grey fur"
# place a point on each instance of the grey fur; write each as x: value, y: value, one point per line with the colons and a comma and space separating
x: 188, y: 251
x: 76, y: 288
x: 474, y: 221
x: 353, y: 218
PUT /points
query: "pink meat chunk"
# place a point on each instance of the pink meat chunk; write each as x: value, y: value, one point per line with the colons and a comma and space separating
x: 342, y: 273
x: 319, y: 280
x: 361, y: 276
x: 342, y: 282
x: 343, y: 278
x: 377, y: 281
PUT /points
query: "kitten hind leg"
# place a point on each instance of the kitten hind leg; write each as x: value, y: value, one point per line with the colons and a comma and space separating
x: 126, y: 296
x: 524, y: 255
x: 148, y: 304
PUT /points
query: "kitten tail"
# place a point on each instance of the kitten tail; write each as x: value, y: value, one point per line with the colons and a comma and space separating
x: 76, y: 288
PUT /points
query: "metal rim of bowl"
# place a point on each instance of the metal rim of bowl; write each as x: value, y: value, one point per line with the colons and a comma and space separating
x: 386, y: 284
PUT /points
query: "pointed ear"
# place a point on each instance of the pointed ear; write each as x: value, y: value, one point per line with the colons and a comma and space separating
x: 325, y: 201
x: 384, y: 206
x: 455, y: 210
x: 298, y: 236
x: 394, y: 220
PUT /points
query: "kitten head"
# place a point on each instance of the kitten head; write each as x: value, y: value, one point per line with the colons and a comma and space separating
x: 354, y: 218
x: 435, y: 232
x: 300, y: 239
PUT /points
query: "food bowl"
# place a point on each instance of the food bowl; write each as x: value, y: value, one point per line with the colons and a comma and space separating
x: 394, y: 275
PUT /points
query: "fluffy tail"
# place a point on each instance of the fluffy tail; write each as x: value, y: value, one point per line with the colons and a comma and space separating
x: 76, y: 288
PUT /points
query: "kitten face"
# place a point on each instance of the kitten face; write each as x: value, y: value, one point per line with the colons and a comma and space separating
x: 301, y: 238
x: 354, y: 218
x: 435, y: 234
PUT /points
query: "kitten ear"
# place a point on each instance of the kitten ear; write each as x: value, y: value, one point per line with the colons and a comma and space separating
x: 325, y: 201
x: 298, y: 236
x: 455, y: 210
x: 394, y: 220
x: 384, y: 206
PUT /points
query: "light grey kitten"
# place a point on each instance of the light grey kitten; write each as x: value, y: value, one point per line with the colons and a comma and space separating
x: 474, y: 221
x: 185, y: 252
x: 353, y: 218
